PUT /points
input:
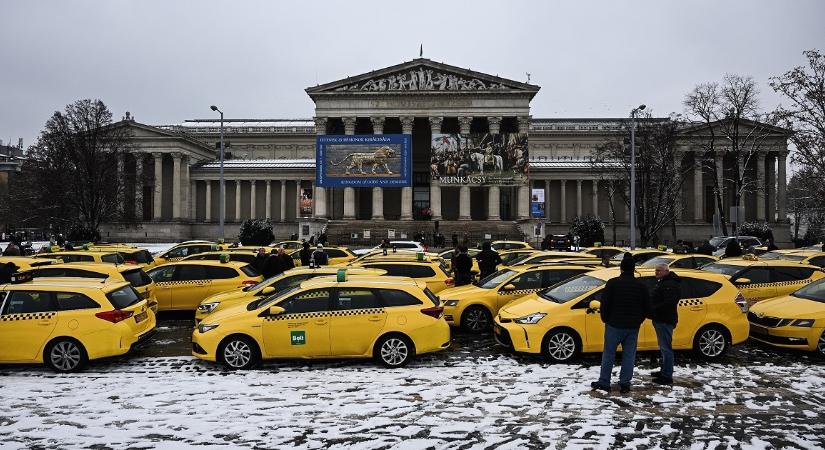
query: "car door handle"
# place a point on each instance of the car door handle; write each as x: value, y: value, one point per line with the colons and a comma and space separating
x: 44, y: 323
x: 375, y: 319
x: 696, y: 308
x: 320, y: 322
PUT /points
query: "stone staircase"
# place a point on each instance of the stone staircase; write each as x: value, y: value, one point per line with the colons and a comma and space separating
x: 342, y: 231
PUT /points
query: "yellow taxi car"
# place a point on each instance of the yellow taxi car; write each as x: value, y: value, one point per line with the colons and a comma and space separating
x: 391, y: 319
x: 183, y: 285
x: 680, y: 261
x: 796, y: 320
x: 473, y: 307
x: 26, y: 262
x: 601, y: 251
x: 65, y: 324
x: 135, y: 276
x: 429, y: 270
x: 72, y: 256
x: 131, y: 255
x: 289, y: 245
x: 812, y: 257
x: 564, y: 320
x: 544, y: 256
x: 760, y: 280
x: 509, y: 245
x: 245, y: 256
x: 336, y: 255
x: 184, y: 249
x: 640, y: 255
x: 507, y: 256
x: 272, y: 286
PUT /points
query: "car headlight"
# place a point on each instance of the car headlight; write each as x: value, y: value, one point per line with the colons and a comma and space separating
x: 450, y: 302
x: 204, y: 327
x: 803, y: 323
x: 530, y: 318
x: 208, y: 307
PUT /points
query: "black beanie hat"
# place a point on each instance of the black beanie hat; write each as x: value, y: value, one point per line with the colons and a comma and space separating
x: 627, y: 265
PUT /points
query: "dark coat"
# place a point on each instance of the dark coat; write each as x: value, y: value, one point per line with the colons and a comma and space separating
x: 665, y: 299
x: 272, y: 266
x: 306, y: 255
x: 463, y: 267
x: 625, y: 302
x: 706, y: 249
x: 286, y: 262
x: 259, y: 261
x: 487, y: 261
x: 320, y: 257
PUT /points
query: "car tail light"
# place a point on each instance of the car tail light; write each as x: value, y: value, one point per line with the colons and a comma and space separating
x: 249, y: 283
x: 741, y: 302
x: 435, y: 311
x: 449, y: 281
x: 131, y: 261
x: 115, y: 315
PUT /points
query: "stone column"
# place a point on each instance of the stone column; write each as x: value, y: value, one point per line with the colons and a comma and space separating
x: 186, y: 193
x: 547, y: 199
x: 121, y: 181
x: 761, y: 186
x: 781, y: 185
x: 252, y: 200
x: 157, y: 200
x: 563, y: 203
x: 495, y: 124
x: 493, y: 203
x: 435, y: 199
x: 464, y: 203
x: 435, y: 124
x: 465, y: 123
x: 407, y: 192
x: 139, y: 187
x: 523, y: 124
x: 740, y: 167
x: 282, y: 208
x: 237, y: 200
x: 698, y: 189
x: 377, y: 192
x: 349, y: 125
x: 268, y: 199
x: 193, y: 200
x: 298, y: 199
x: 611, y: 192
x: 677, y: 164
x: 320, y: 194
x: 719, y: 160
x: 208, y: 215
x: 523, y: 199
x: 349, y: 192
x: 579, y: 198
x: 595, y: 198
x: 176, y: 185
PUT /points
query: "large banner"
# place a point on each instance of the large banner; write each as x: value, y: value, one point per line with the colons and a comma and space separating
x: 379, y: 160
x: 480, y: 159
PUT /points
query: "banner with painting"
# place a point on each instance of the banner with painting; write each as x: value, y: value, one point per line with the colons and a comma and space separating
x: 383, y: 160
x: 479, y: 159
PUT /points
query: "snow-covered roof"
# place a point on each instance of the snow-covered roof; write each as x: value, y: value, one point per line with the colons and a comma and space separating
x: 240, y: 164
x: 572, y: 163
x: 276, y: 126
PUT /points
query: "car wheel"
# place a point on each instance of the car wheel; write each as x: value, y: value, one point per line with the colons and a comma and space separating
x: 820, y: 346
x: 561, y: 346
x: 711, y: 342
x: 394, y: 351
x: 476, y: 319
x: 65, y: 355
x: 238, y: 352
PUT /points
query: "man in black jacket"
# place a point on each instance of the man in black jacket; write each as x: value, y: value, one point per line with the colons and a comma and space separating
x: 624, y: 306
x: 664, y: 302
x: 260, y: 260
x: 286, y: 260
x: 306, y: 254
x: 272, y: 265
x: 488, y: 260
x: 462, y: 267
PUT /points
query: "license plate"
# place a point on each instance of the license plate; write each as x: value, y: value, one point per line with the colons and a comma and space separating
x: 141, y: 317
x: 756, y: 329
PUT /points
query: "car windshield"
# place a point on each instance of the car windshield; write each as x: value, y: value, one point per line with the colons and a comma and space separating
x: 570, y: 289
x: 724, y: 269
x: 518, y: 260
x: 496, y: 278
x: 717, y: 241
x: 266, y: 301
x: 814, y: 291
x: 262, y: 284
x: 653, y: 262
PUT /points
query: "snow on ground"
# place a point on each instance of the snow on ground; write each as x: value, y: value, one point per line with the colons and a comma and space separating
x: 442, y: 401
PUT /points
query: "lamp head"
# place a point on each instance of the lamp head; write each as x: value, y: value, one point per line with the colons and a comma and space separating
x: 214, y: 108
x: 641, y: 107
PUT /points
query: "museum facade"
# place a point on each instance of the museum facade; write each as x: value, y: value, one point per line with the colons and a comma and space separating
x: 479, y: 164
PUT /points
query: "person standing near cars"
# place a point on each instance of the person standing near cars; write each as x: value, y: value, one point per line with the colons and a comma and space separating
x: 260, y: 260
x: 319, y: 256
x: 286, y: 260
x: 663, y: 304
x: 624, y: 306
x: 462, y: 267
x: 488, y: 260
x: 306, y: 254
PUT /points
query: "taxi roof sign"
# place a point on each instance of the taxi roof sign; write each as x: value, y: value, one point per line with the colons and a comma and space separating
x: 341, y: 275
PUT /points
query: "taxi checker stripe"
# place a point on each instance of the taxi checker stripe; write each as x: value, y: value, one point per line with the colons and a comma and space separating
x: 312, y: 315
x: 691, y: 302
x: 519, y: 292
x: 26, y: 316
x: 778, y: 283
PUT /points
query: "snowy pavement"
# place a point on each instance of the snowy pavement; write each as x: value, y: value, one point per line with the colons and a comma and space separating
x: 471, y: 396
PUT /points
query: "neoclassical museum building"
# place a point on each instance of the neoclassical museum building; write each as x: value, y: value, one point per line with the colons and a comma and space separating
x: 463, y: 156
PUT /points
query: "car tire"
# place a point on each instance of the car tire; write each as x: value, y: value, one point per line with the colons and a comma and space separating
x: 238, y: 353
x: 561, y: 345
x: 393, y: 351
x: 65, y: 355
x: 711, y: 342
x: 820, y: 346
x: 476, y: 319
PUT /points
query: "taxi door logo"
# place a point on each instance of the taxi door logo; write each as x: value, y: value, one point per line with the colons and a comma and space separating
x: 298, y: 337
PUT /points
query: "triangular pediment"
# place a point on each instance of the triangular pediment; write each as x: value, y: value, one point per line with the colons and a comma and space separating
x: 422, y: 75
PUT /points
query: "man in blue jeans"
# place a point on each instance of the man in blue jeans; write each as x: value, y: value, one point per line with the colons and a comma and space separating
x: 624, y: 306
x: 664, y: 303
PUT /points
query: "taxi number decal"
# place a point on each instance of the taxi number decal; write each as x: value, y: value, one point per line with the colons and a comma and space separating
x: 297, y: 337
x: 296, y: 324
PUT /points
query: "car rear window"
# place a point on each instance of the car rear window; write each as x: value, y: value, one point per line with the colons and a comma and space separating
x: 70, y: 301
x: 220, y: 273
x: 698, y: 288
x: 136, y: 277
x: 394, y: 297
x: 724, y: 269
x: 123, y: 297
x: 249, y: 271
x: 113, y: 259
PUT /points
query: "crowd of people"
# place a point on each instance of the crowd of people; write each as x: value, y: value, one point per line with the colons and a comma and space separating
x: 277, y: 261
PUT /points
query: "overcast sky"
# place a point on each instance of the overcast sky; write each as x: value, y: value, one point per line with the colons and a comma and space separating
x: 167, y: 61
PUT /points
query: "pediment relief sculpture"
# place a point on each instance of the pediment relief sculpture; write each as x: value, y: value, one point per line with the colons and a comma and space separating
x: 422, y: 79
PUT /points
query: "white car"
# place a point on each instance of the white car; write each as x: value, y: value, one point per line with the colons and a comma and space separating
x: 407, y: 246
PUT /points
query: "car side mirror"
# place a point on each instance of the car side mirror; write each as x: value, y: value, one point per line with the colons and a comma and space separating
x: 510, y: 287
x: 743, y: 281
x: 594, y: 306
x: 275, y: 310
x: 269, y: 290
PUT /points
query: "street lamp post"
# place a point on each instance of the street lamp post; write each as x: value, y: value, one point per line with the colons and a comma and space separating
x: 633, y: 175
x: 222, y: 213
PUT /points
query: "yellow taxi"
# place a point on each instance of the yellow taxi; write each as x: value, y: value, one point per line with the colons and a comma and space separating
x: 564, y: 320
x: 26, y: 262
x: 429, y: 270
x: 447, y: 256
x: 391, y: 319
x: 336, y: 255
x: 507, y: 256
x: 183, y: 285
x: 812, y: 257
x: 182, y: 250
x: 72, y: 256
x: 796, y: 320
x: 510, y: 245
x: 289, y: 245
x: 272, y: 286
x: 131, y: 255
x: 65, y: 324
x: 544, y: 256
x: 473, y: 307
x: 135, y: 276
x: 760, y: 280
x: 245, y: 256
x: 680, y: 261
x: 601, y: 251
x: 640, y: 255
